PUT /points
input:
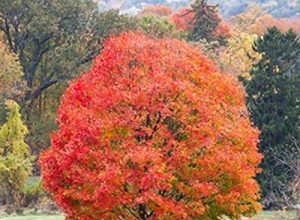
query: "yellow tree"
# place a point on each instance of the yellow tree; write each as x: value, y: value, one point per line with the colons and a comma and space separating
x: 15, y: 159
x: 239, y: 56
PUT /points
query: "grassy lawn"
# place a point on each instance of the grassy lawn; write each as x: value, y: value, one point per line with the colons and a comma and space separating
x: 277, y: 215
x: 266, y: 215
x: 33, y: 217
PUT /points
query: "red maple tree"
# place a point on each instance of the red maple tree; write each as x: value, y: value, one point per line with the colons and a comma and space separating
x: 153, y: 131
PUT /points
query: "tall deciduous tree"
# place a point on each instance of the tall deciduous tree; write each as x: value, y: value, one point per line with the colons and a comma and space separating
x: 273, y: 100
x: 15, y: 159
x: 153, y: 131
x: 54, y: 38
x: 35, y: 29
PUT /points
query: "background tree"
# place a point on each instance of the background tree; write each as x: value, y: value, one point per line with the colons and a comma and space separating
x: 159, y: 27
x: 268, y: 21
x: 202, y: 22
x: 222, y: 32
x: 68, y: 32
x: 256, y: 20
x: 52, y: 39
x: 277, y: 8
x: 42, y: 111
x: 239, y: 56
x: 15, y: 159
x: 11, y: 83
x: 182, y: 18
x: 165, y: 133
x: 157, y: 10
x: 273, y: 100
x: 55, y: 41
x: 288, y: 162
x: 245, y: 19
x: 205, y: 21
x: 229, y: 8
x: 34, y: 29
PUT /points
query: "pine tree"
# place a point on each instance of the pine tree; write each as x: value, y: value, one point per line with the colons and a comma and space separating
x: 205, y: 21
x: 273, y: 100
x: 15, y: 159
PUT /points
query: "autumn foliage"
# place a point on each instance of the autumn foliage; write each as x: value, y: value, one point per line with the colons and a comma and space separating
x: 222, y: 30
x: 158, y: 10
x: 11, y: 83
x: 256, y: 21
x: 153, y: 131
x: 268, y: 21
x: 184, y: 20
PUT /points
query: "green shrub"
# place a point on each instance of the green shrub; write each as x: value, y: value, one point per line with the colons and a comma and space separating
x: 15, y: 158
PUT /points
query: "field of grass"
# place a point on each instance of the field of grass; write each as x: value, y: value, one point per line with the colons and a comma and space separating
x: 33, y: 217
x: 266, y: 215
x: 277, y: 215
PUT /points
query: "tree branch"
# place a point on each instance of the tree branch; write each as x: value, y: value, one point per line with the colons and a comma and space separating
x: 39, y: 90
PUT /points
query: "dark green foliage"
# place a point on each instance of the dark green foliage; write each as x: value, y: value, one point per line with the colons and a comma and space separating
x: 54, y: 38
x: 273, y: 100
x: 42, y: 31
x: 55, y: 41
x: 205, y: 21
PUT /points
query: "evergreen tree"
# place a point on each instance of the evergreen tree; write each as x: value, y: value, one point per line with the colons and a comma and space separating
x: 205, y: 21
x: 273, y: 100
x: 15, y: 159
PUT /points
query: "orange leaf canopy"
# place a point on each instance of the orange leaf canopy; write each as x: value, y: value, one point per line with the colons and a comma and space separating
x: 153, y: 131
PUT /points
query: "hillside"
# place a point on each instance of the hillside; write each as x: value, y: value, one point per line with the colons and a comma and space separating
x: 278, y: 8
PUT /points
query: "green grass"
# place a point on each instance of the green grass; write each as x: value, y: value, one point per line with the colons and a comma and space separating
x: 266, y: 215
x: 277, y: 215
x: 33, y: 217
